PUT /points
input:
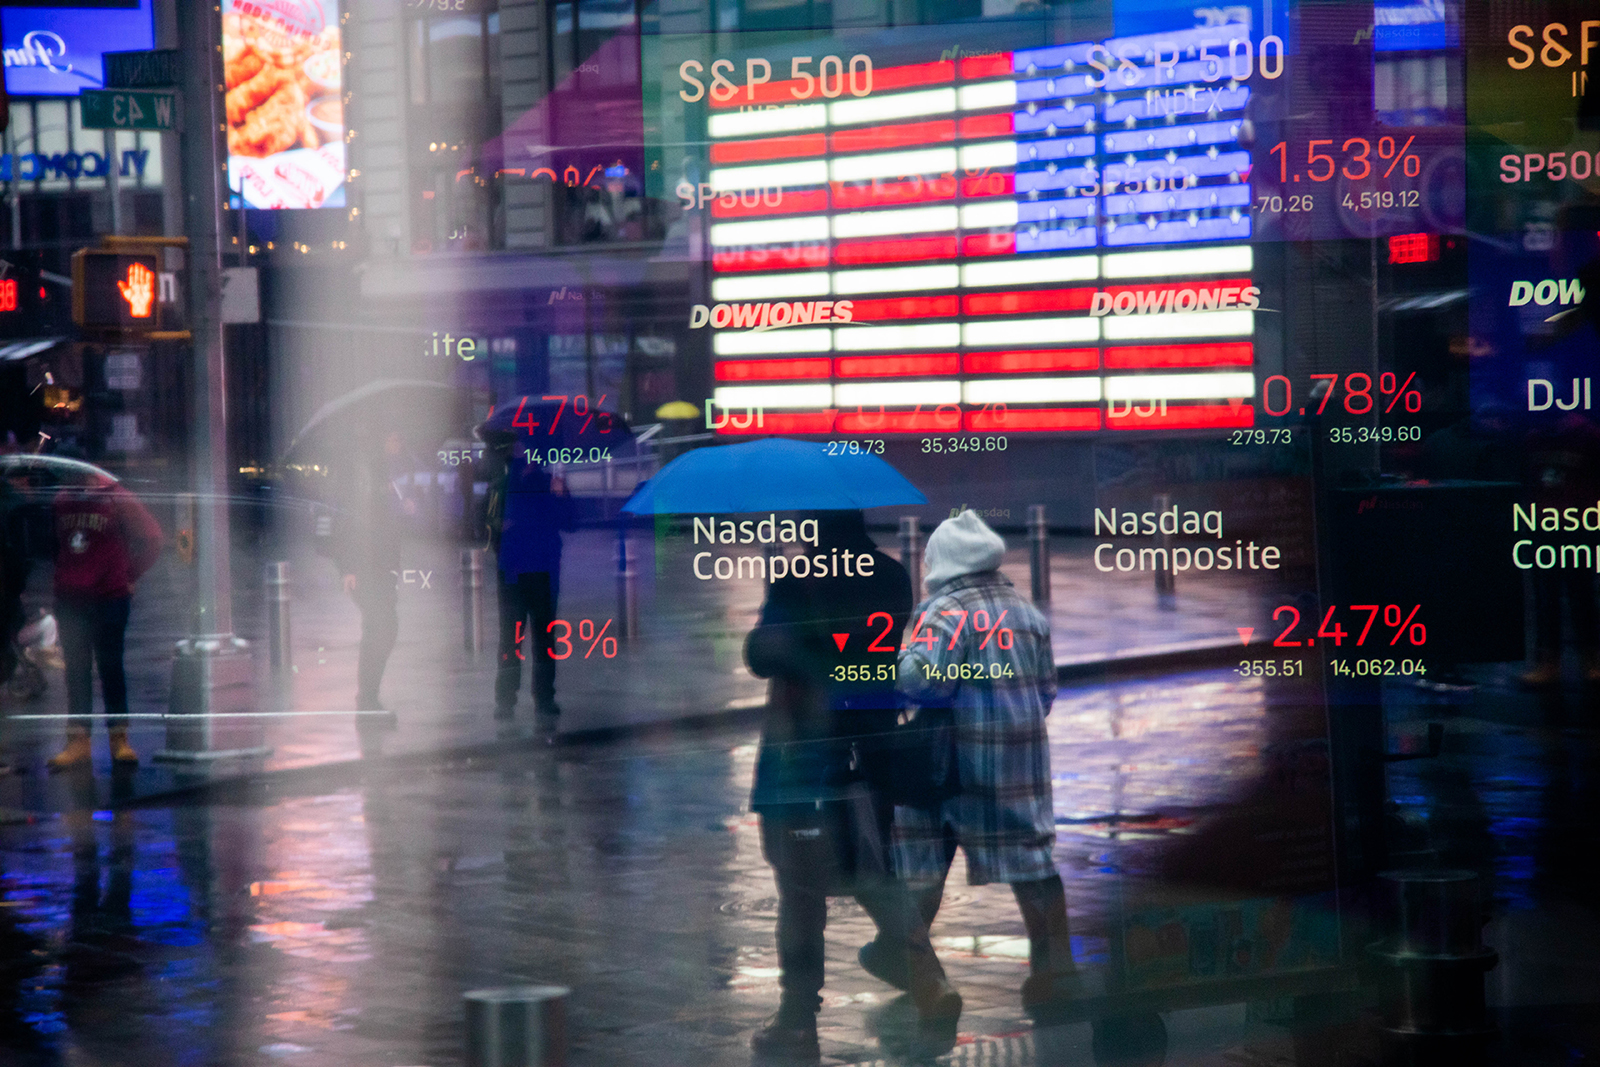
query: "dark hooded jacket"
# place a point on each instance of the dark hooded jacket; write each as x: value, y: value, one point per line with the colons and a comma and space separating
x: 824, y: 699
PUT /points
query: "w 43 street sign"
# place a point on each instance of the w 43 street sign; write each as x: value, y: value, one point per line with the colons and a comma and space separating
x: 128, y: 109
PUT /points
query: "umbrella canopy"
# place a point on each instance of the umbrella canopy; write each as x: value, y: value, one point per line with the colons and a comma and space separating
x: 556, y: 422
x: 397, y: 403
x: 773, y: 474
x: 60, y: 468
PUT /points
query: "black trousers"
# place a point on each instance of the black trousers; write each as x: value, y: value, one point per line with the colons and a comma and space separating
x: 379, y: 602
x: 836, y: 848
x: 91, y: 631
x: 527, y: 607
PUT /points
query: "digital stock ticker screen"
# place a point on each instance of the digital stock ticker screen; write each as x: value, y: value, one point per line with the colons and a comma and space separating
x: 599, y: 532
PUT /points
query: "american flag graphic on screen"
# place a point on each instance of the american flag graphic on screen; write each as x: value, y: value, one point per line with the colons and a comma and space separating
x: 1014, y: 242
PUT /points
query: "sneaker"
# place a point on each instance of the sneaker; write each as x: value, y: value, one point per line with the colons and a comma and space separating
x: 885, y: 964
x: 788, y: 1040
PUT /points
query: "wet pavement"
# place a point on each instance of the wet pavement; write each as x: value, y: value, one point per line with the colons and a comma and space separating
x: 335, y: 917
x: 686, y: 663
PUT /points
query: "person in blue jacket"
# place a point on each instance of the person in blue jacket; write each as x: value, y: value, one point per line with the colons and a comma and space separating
x: 528, y: 509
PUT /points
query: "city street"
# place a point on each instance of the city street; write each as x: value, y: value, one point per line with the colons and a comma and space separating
x: 336, y: 917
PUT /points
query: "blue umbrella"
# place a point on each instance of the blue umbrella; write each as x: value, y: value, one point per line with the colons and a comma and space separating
x: 773, y: 474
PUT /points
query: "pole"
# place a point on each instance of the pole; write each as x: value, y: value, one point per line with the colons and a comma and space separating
x: 627, y: 586
x: 211, y: 671
x: 911, y: 548
x: 1039, y: 546
x: 280, y: 656
x: 1166, y: 577
x: 472, y: 600
x: 113, y: 186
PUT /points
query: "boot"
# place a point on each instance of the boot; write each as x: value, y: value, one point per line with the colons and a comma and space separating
x: 790, y: 1036
x: 76, y: 754
x: 885, y: 962
x: 1044, y: 912
x: 121, y: 751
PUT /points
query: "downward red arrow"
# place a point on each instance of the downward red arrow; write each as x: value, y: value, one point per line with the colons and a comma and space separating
x: 840, y: 639
x: 1235, y: 403
x: 1244, y: 633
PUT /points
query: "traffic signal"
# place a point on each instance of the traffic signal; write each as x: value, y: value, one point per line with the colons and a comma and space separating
x: 116, y: 290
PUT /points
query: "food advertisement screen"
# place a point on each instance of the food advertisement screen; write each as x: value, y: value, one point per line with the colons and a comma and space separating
x: 285, y: 113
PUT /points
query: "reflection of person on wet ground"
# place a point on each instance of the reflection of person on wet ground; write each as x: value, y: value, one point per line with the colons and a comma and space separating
x: 1004, y: 818
x: 367, y: 552
x: 528, y: 509
x: 821, y: 826
x: 105, y: 541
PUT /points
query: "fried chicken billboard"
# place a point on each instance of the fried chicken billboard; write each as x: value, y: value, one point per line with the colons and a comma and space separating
x: 284, y: 103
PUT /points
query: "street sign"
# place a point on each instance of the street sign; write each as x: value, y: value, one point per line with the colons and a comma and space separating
x: 128, y: 109
x: 152, y: 68
x: 116, y: 290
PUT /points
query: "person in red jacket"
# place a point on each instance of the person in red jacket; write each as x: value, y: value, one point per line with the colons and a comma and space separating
x: 105, y: 540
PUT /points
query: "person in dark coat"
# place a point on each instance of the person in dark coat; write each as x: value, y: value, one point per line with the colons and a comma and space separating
x: 378, y: 504
x: 823, y: 829
x: 528, y: 509
x: 105, y: 541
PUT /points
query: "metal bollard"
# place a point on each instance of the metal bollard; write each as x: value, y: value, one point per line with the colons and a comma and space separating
x: 627, y: 590
x: 1166, y: 578
x: 911, y: 548
x: 1039, y: 545
x: 517, y: 1026
x: 1433, y: 1002
x: 472, y: 600
x: 279, y: 655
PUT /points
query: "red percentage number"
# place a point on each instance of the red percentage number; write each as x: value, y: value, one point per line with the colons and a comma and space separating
x: 1357, y: 393
x: 586, y: 632
x: 1387, y: 387
x: 982, y: 625
x: 608, y: 645
x: 1415, y: 632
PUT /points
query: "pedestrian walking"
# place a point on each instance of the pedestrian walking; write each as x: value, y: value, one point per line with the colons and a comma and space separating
x: 528, y: 508
x: 822, y: 828
x: 379, y: 505
x: 105, y: 541
x: 982, y: 650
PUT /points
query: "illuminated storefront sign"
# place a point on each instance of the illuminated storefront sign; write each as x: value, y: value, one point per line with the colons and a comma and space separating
x: 30, y: 166
x: 937, y: 203
x: 285, y: 111
x: 56, y: 51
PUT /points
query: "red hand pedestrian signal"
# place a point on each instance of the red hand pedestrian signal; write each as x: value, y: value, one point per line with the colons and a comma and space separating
x: 139, y: 290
